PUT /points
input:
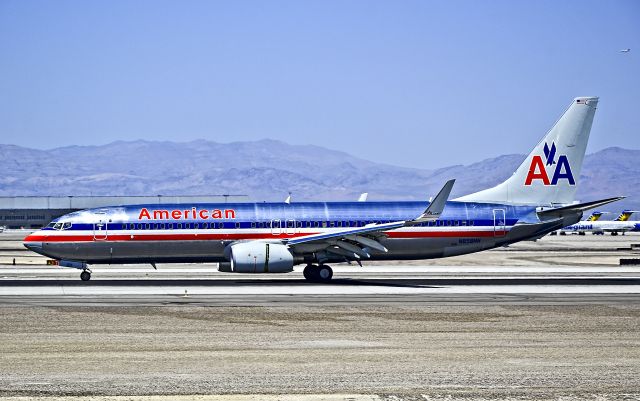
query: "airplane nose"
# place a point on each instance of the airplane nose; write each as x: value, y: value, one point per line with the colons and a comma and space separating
x: 33, y: 242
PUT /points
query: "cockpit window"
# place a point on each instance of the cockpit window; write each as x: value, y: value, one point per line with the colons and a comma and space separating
x: 60, y: 226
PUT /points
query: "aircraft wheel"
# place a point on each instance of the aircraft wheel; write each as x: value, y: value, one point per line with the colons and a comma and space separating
x: 85, y: 276
x: 309, y: 271
x: 324, y: 273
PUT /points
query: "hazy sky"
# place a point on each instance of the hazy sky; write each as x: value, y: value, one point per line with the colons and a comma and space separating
x: 413, y: 83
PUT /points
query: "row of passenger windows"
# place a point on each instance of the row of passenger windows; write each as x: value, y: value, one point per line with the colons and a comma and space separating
x: 282, y: 224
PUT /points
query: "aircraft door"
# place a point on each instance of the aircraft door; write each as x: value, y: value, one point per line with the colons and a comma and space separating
x: 499, y: 223
x: 291, y: 227
x: 276, y: 227
x: 100, y: 227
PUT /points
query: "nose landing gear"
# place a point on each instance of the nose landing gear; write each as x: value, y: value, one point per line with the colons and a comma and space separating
x: 322, y: 273
x: 85, y: 275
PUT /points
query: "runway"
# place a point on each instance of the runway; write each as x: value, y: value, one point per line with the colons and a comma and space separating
x: 533, y: 321
x: 18, y: 285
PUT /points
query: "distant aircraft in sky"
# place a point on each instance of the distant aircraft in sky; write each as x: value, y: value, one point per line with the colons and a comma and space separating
x: 625, y: 50
x: 274, y: 237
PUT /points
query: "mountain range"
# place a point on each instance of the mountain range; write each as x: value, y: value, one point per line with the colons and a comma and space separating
x: 269, y: 170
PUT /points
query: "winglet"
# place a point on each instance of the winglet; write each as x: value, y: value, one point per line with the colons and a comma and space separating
x: 435, y: 208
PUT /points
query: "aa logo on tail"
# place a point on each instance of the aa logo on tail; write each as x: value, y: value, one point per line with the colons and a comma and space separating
x: 538, y: 168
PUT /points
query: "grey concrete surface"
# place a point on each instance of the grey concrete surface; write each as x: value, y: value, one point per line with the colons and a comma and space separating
x: 534, y: 321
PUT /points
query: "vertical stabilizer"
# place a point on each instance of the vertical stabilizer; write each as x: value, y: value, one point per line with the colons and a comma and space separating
x: 549, y: 175
x: 625, y: 215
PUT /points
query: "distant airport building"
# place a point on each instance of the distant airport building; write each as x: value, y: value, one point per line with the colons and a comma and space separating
x: 38, y: 211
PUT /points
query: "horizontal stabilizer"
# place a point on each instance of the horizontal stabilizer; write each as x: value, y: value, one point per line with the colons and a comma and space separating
x: 572, y: 209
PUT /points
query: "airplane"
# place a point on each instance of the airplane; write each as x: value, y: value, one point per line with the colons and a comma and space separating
x: 274, y: 237
x: 625, y: 50
x: 620, y: 225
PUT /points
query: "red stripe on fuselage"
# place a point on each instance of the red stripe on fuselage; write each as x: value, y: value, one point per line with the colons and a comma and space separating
x: 245, y: 236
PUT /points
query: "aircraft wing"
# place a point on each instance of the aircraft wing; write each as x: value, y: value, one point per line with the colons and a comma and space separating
x: 368, y: 229
x: 355, y: 243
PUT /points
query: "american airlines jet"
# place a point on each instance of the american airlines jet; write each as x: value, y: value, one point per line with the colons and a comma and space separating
x: 274, y: 237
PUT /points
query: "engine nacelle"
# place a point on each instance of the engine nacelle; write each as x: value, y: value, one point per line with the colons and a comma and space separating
x: 260, y: 257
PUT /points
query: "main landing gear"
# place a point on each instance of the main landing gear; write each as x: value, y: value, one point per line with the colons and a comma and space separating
x: 85, y: 275
x: 314, y: 273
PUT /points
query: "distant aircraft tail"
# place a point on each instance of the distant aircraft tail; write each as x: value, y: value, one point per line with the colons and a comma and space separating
x: 549, y: 175
x: 594, y: 216
x: 625, y: 215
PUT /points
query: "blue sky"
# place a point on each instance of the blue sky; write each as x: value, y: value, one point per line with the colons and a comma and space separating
x: 414, y: 83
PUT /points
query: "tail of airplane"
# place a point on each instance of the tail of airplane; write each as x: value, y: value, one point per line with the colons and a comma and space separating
x: 594, y: 216
x: 625, y: 215
x: 550, y: 173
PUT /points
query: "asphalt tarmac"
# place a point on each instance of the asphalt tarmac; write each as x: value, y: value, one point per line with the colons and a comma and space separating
x: 555, y: 319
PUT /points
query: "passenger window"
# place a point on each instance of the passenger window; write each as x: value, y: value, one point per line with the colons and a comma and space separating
x: 237, y: 225
x: 253, y: 224
x: 147, y: 226
x: 324, y: 224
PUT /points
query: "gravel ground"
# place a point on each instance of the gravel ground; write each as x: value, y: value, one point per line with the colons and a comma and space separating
x: 409, y: 351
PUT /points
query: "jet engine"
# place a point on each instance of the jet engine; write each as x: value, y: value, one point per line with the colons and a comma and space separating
x: 260, y: 257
